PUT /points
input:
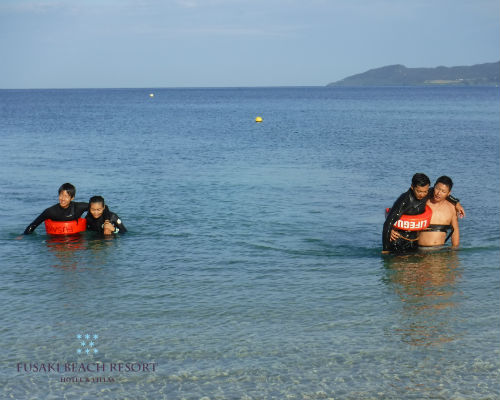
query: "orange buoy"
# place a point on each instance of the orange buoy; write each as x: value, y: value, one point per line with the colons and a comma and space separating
x: 417, y: 222
x: 65, y: 227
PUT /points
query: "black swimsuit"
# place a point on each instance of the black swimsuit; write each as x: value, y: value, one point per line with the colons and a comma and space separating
x: 96, y: 225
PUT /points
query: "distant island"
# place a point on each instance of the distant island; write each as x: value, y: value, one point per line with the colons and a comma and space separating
x: 398, y: 75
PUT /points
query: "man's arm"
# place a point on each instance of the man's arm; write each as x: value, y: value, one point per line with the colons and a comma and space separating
x: 108, y: 228
x: 396, y: 212
x: 120, y: 226
x: 38, y: 220
x: 455, y: 237
x: 80, y: 208
x: 116, y: 223
x: 459, y: 210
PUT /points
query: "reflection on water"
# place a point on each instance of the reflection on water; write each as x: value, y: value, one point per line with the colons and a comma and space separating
x: 83, y: 259
x: 65, y: 249
x: 70, y: 251
x: 426, y: 285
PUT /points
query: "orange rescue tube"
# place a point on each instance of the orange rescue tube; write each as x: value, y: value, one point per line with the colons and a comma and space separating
x: 417, y: 222
x: 65, y: 227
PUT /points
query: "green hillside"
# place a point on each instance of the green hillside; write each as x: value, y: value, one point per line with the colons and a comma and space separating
x: 399, y: 75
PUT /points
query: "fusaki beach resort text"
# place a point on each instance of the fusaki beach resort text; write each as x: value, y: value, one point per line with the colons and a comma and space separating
x: 56, y: 367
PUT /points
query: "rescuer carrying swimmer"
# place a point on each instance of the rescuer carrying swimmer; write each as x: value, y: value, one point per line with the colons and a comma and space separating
x: 412, y: 202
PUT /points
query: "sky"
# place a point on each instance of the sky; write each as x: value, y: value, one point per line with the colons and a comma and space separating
x: 234, y: 43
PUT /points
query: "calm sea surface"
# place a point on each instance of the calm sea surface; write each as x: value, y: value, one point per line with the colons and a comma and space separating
x: 252, y: 266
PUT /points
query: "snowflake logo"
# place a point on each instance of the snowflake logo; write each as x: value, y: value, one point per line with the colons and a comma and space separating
x: 87, y: 343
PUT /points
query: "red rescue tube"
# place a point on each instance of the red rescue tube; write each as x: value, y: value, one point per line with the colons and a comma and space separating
x: 65, y: 227
x: 417, y: 222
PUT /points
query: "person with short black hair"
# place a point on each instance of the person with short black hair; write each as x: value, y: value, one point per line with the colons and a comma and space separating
x: 65, y: 210
x: 100, y: 219
x: 420, y: 179
x: 444, y: 218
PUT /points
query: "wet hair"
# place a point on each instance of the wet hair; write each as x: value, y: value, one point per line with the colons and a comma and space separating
x: 97, y: 199
x: 420, y: 179
x: 68, y: 187
x: 445, y: 180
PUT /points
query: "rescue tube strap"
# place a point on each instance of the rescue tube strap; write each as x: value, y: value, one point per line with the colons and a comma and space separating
x: 449, y: 234
x: 408, y: 239
x: 441, y: 228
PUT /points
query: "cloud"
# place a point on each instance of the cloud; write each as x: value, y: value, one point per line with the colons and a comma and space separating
x: 221, y: 30
x: 62, y: 6
x: 31, y: 7
x: 188, y: 3
x: 238, y: 31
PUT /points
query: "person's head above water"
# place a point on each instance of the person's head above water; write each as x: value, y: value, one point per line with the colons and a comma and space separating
x: 96, y: 206
x: 445, y: 180
x: 442, y: 188
x: 66, y: 194
x: 420, y: 185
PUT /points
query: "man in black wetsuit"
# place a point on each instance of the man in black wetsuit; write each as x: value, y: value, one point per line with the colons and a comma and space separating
x: 101, y: 219
x: 66, y: 210
x: 411, y: 202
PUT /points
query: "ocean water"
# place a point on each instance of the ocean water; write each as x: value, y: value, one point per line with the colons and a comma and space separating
x: 252, y: 265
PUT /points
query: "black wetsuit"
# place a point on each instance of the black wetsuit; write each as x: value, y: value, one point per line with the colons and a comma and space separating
x: 95, y: 225
x: 57, y: 213
x: 406, y: 204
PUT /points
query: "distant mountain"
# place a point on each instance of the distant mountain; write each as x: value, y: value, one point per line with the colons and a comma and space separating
x: 399, y: 75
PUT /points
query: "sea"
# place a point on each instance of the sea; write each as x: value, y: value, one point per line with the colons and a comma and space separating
x: 252, y: 265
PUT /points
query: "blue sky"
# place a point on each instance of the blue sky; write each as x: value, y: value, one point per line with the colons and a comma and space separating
x: 213, y: 43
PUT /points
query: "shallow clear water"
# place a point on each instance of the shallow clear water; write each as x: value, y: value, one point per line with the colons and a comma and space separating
x: 252, y: 266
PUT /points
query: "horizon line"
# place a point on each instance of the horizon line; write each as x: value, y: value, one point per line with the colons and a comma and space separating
x: 165, y: 87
